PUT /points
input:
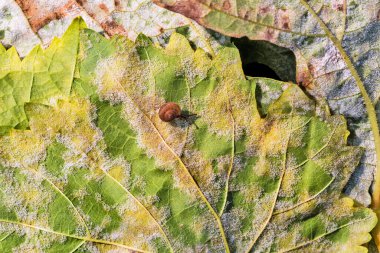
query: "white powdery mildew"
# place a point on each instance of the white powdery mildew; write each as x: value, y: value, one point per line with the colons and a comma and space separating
x: 139, y: 182
x: 80, y: 194
x: 57, y: 27
x: 361, y: 135
x: 223, y: 166
x: 98, y: 197
x: 192, y: 72
x: 163, y: 212
x: 333, y: 15
x: 185, y: 185
x: 121, y: 70
x: 18, y: 33
x: 23, y: 149
x: 274, y: 168
x: 127, y: 206
x: 73, y: 159
x: 241, y: 131
x: 211, y: 183
x: 148, y: 137
x: 109, y: 164
x: 360, y: 42
x: 114, y: 97
x: 45, y: 241
x: 6, y: 227
x: 97, y: 230
x: 132, y: 225
x: 132, y: 16
x: 27, y: 246
x: 79, y: 144
x: 297, y: 134
x: 208, y: 40
x: 258, y: 212
x: 7, y: 177
x: 84, y: 46
x: 143, y: 16
x: 291, y: 162
x: 269, y: 94
x: 104, y: 65
x: 217, y: 116
x: 106, y: 207
x: 90, y: 159
x: 237, y: 169
x: 251, y: 194
x: 338, y: 211
x: 195, y: 161
x: 272, y: 232
x: 27, y: 196
x: 58, y: 182
x: 232, y: 221
x: 92, y: 247
x: 201, y: 223
x: 346, y: 99
x: 358, y: 18
x: 329, y: 61
x: 290, y: 180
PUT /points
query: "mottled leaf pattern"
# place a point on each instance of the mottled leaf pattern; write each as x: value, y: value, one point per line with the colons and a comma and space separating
x: 98, y: 171
x: 336, y: 44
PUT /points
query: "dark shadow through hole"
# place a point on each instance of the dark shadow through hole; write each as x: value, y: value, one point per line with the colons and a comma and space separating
x: 264, y: 59
x: 255, y: 69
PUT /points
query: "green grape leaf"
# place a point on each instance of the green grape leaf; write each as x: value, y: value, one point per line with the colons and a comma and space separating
x: 44, y: 76
x: 98, y: 171
x: 336, y: 45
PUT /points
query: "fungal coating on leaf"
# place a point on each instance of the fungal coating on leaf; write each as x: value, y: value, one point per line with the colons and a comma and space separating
x: 116, y: 177
x: 337, y: 61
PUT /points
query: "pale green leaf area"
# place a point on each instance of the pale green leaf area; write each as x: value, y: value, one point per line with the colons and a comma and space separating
x: 42, y: 77
x: 255, y: 170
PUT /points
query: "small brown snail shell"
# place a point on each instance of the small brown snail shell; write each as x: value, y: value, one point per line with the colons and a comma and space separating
x: 169, y: 111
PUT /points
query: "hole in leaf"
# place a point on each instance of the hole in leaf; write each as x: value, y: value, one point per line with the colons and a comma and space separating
x: 264, y: 59
x: 255, y: 69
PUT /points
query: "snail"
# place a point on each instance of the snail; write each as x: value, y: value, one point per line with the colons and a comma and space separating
x: 169, y: 111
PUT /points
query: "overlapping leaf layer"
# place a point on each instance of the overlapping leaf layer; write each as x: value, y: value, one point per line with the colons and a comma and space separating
x: 336, y: 44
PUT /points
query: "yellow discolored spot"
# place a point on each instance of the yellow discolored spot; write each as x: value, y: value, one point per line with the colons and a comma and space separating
x: 117, y: 172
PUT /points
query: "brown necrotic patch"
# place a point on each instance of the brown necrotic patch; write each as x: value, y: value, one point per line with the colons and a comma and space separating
x: 283, y: 19
x: 112, y: 28
x: 40, y: 14
x: 117, y: 4
x: 226, y: 5
x: 264, y: 10
x: 190, y: 8
x: 103, y: 7
x: 100, y: 13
